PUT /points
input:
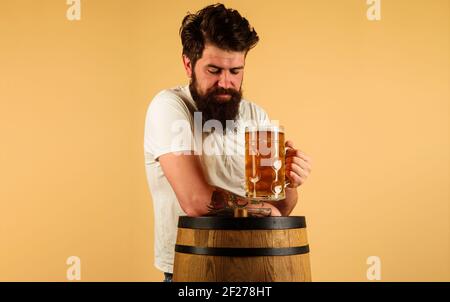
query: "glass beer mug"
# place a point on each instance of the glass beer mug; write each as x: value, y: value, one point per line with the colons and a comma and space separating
x: 265, y: 163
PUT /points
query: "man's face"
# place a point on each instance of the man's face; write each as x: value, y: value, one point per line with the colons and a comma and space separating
x: 218, y: 68
x: 216, y: 83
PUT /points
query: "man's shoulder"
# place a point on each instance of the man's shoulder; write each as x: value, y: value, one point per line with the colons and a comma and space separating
x: 249, y: 104
x: 177, y: 93
x: 250, y: 110
x: 176, y: 97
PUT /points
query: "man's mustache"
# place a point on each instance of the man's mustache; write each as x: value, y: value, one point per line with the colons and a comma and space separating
x: 221, y: 90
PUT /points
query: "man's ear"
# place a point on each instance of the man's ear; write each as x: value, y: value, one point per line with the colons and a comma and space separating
x: 187, y: 66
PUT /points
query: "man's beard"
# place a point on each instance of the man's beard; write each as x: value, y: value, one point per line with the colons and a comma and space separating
x: 213, y: 109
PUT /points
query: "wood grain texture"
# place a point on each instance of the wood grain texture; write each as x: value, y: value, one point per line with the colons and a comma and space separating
x: 205, y: 268
x: 199, y: 268
x: 242, y: 238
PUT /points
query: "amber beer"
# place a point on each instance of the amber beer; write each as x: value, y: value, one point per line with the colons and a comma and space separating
x: 264, y: 163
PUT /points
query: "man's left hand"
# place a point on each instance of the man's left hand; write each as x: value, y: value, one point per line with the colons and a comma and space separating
x: 298, y: 165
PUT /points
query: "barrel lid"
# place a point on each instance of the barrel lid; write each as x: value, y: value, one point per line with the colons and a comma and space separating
x: 244, y: 223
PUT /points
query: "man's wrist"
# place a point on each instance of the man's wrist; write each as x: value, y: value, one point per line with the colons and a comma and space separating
x: 224, y: 202
x: 289, y: 184
x: 289, y: 188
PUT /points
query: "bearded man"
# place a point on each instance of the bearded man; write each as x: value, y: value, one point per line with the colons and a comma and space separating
x: 185, y: 179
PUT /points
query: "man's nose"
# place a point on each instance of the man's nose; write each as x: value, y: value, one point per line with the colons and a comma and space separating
x: 224, y: 81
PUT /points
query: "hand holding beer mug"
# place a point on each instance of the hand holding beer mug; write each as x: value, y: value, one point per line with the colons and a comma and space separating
x: 265, y: 163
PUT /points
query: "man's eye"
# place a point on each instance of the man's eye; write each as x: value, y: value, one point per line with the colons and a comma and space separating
x: 235, y: 71
x: 214, y: 70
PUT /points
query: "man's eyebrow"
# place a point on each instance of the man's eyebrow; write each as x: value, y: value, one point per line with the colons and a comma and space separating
x: 217, y: 67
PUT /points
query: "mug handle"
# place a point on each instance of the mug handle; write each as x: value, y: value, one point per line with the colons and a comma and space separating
x: 287, y: 182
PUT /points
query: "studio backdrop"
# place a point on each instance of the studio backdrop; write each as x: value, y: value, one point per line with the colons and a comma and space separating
x: 362, y: 87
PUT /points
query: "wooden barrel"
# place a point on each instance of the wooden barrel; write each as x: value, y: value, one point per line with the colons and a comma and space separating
x: 252, y: 249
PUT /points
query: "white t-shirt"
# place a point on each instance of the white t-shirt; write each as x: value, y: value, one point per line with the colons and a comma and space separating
x: 222, y: 158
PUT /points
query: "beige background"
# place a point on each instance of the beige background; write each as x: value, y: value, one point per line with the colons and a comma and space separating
x: 367, y: 100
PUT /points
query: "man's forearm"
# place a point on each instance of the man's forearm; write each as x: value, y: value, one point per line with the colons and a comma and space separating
x: 286, y: 206
x: 224, y: 202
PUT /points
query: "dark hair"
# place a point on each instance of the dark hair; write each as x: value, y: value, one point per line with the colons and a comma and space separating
x: 223, y: 27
